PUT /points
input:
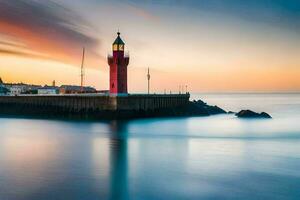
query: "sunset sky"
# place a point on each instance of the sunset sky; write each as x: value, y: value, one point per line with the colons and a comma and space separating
x: 209, y: 45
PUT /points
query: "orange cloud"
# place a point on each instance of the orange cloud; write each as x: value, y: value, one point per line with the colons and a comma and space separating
x: 23, y: 54
x: 48, y: 29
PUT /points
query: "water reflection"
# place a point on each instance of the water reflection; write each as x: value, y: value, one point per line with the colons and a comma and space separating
x: 110, y: 157
x: 24, y: 164
x: 138, y: 166
x: 118, y: 161
x: 218, y: 157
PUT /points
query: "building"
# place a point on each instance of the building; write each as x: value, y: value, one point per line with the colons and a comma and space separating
x: 118, y: 63
x: 74, y: 89
x: 21, y: 88
x: 52, y: 90
x: 32, y: 89
x: 17, y: 89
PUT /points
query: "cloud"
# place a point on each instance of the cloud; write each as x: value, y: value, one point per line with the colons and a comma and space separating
x: 282, y: 13
x: 23, y: 54
x: 11, y: 44
x: 49, y: 28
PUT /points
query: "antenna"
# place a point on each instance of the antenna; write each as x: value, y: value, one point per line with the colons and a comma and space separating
x: 148, y: 78
x: 82, y: 70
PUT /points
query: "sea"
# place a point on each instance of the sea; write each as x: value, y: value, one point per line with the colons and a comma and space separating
x: 209, y: 158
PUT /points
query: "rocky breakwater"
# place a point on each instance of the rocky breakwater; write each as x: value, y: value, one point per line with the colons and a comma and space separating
x: 191, y: 109
x: 200, y: 108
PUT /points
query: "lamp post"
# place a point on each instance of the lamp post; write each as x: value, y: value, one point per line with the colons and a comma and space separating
x: 148, y: 78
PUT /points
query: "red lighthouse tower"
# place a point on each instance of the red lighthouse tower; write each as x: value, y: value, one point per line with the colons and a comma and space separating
x: 118, y: 63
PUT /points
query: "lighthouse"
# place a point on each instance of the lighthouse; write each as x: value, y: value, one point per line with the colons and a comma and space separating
x: 118, y: 63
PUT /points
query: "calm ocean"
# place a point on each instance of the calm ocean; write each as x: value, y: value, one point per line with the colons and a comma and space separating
x: 219, y: 157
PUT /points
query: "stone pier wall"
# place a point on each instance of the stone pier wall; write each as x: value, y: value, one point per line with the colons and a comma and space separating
x: 90, y: 104
x: 64, y: 102
x: 151, y: 102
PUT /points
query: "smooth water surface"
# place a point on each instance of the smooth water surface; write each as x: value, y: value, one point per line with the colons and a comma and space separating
x: 219, y: 157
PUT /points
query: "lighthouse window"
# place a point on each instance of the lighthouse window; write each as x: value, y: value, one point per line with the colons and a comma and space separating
x: 113, y: 85
x: 115, y: 47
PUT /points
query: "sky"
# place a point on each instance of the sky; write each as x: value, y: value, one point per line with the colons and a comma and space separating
x: 208, y: 45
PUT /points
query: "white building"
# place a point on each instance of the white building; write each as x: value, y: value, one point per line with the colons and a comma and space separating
x: 48, y: 90
x: 17, y: 90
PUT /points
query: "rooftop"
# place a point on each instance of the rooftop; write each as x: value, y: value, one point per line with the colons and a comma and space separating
x: 48, y: 88
x: 119, y: 40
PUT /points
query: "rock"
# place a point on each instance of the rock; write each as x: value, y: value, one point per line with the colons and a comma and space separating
x: 200, y: 103
x: 251, y: 114
x: 265, y: 115
x: 231, y: 112
x: 200, y: 108
x: 214, y: 110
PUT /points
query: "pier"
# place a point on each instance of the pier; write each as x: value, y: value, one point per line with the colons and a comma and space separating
x: 93, y: 105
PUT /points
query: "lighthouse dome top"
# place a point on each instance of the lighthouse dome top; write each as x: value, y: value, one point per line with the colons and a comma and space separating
x: 119, y: 40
